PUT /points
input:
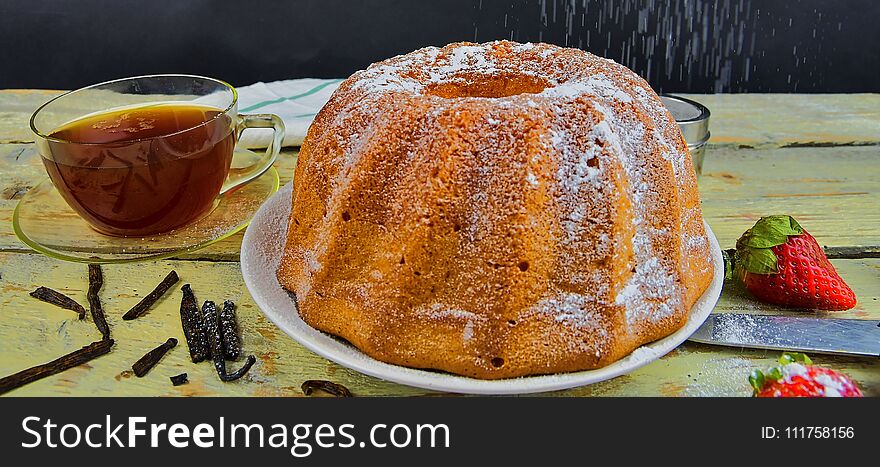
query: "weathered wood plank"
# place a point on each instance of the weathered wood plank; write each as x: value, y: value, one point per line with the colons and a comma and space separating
x: 775, y: 120
x: 32, y: 332
x: 16, y: 108
x: 752, y: 120
x: 833, y: 192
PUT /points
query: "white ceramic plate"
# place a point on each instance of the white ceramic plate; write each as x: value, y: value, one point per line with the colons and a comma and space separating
x: 261, y: 250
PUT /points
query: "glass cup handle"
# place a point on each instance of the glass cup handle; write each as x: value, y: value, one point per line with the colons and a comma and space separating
x: 241, y: 175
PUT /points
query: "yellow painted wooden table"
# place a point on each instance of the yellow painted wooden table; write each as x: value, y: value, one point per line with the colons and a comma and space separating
x: 816, y: 157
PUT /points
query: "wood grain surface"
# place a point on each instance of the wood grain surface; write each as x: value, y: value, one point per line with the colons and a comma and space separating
x: 813, y: 156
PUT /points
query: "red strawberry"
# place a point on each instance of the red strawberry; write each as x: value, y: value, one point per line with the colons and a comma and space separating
x: 780, y: 263
x: 797, y: 377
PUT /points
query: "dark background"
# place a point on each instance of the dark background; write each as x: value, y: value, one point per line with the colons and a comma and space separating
x: 678, y: 45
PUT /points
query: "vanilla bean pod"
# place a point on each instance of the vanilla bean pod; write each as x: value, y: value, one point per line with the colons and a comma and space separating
x: 65, y: 362
x: 211, y: 320
x: 58, y: 299
x: 229, y: 331
x: 96, y: 281
x: 150, y: 299
x: 151, y: 358
x: 193, y: 328
x: 329, y: 387
x: 177, y: 380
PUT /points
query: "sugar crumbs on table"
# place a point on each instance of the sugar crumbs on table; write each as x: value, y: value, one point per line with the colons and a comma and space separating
x: 329, y: 387
x: 193, y: 328
x: 151, y: 358
x: 58, y: 299
x: 211, y: 321
x: 151, y: 298
x: 229, y: 331
x: 96, y: 281
x: 65, y: 362
x: 177, y: 380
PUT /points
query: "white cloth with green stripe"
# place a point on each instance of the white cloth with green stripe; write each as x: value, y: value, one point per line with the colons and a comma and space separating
x: 296, y: 101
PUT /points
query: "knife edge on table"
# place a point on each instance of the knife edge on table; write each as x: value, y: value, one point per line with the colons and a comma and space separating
x: 853, y: 337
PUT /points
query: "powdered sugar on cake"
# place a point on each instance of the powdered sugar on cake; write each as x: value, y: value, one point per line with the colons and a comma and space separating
x: 574, y: 171
x: 571, y: 309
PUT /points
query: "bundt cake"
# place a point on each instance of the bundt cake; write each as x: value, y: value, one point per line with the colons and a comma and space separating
x: 495, y: 210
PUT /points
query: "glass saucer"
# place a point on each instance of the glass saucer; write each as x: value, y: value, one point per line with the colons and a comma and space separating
x: 44, y: 222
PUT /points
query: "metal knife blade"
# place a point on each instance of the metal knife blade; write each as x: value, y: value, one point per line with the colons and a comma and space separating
x: 806, y: 334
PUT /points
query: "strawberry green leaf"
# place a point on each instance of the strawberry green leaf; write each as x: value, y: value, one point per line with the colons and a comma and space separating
x: 756, y: 379
x: 757, y: 261
x: 795, y: 227
x: 773, y: 374
x: 772, y: 230
x: 729, y: 262
x: 753, y: 249
x: 790, y: 357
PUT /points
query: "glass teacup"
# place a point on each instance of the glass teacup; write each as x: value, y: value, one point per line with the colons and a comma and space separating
x: 146, y: 155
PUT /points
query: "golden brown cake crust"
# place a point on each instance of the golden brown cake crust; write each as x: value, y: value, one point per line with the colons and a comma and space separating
x: 495, y: 210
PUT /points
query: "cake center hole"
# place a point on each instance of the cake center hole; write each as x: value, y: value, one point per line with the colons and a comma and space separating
x: 488, y: 86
